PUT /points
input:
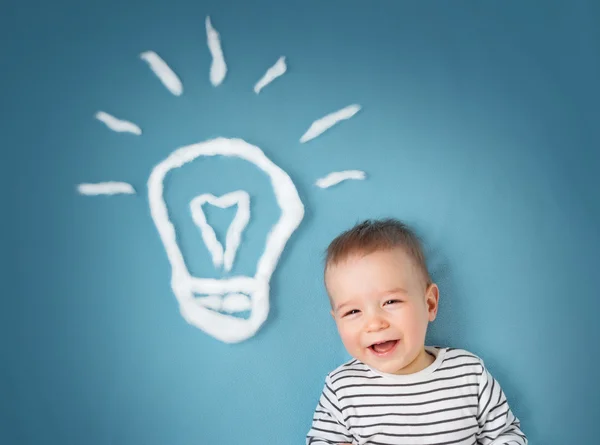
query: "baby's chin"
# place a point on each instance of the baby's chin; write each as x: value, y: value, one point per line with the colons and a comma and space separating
x: 398, y: 365
x: 392, y: 366
x: 387, y: 368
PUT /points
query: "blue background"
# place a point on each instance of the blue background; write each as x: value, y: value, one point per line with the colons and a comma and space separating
x: 480, y: 127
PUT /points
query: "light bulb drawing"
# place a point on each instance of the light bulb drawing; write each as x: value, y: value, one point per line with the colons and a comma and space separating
x: 211, y: 304
x: 239, y: 198
x: 188, y: 289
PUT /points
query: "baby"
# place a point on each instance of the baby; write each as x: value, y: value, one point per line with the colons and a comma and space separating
x: 396, y: 390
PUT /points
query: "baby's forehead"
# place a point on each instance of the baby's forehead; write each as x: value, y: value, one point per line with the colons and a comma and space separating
x: 354, y: 257
x: 396, y: 265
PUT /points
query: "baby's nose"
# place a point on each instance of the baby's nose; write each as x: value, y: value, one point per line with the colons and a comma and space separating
x: 376, y: 323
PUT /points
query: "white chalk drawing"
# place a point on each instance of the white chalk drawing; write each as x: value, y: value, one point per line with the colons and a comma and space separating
x: 231, y: 303
x: 234, y: 233
x: 227, y: 328
x: 106, y: 188
x: 163, y: 72
x: 118, y: 125
x: 336, y: 177
x: 207, y: 303
x: 213, y: 302
x: 218, y: 68
x: 325, y: 123
x: 272, y: 73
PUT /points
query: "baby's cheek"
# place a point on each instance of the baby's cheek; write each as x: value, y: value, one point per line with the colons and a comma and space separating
x: 414, y: 325
x: 350, y: 339
x: 347, y: 337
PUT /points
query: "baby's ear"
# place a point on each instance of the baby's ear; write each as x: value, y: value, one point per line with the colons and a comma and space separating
x: 432, y: 296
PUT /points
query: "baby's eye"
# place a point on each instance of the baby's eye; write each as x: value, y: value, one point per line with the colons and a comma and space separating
x: 393, y: 301
x: 352, y: 312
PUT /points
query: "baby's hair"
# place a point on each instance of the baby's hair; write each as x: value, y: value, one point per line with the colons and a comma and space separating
x: 376, y: 235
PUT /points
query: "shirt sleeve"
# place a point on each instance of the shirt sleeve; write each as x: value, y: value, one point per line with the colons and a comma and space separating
x: 328, y: 425
x: 497, y: 423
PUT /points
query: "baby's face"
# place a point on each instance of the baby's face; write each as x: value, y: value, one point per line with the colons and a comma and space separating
x: 382, y: 307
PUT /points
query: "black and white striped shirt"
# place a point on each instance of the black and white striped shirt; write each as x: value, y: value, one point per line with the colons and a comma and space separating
x: 454, y: 401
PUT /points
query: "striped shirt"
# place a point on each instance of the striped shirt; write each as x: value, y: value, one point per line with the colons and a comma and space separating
x: 454, y: 401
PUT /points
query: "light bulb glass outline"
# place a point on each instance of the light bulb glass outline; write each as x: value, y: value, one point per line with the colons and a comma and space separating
x: 224, y: 327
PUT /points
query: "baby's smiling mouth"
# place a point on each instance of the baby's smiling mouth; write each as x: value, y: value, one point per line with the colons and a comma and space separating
x: 384, y: 347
